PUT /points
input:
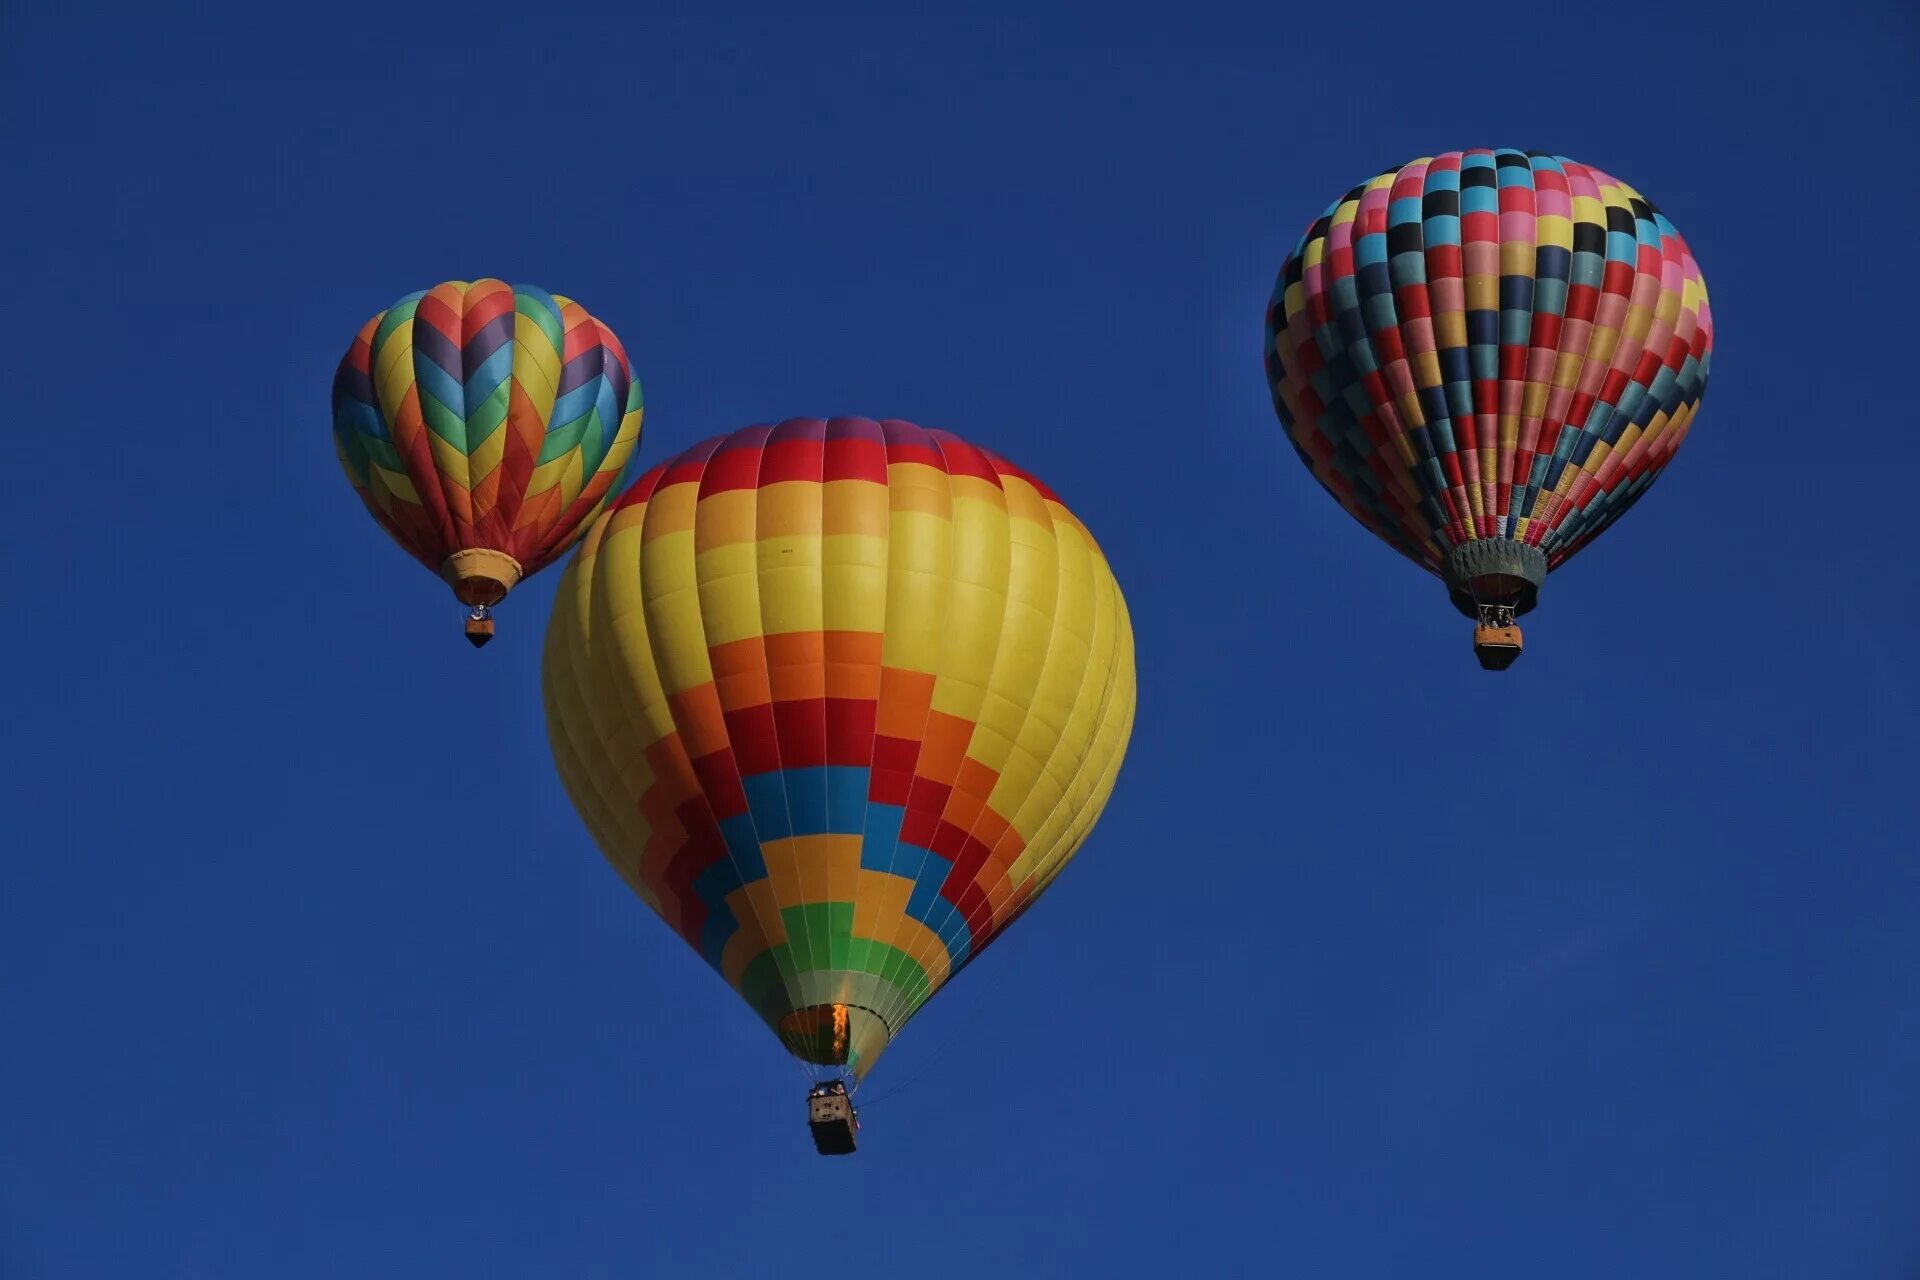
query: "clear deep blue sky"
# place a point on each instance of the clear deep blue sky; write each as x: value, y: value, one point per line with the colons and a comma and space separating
x: 1378, y: 965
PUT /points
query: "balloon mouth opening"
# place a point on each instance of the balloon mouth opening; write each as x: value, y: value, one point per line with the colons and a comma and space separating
x: 479, y: 577
x: 833, y: 1035
x: 1494, y: 573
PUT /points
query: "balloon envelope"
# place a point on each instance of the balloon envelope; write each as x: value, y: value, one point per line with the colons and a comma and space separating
x: 1487, y: 357
x: 484, y: 425
x: 838, y: 699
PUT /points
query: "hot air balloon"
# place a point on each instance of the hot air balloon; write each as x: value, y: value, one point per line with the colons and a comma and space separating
x: 484, y: 425
x: 838, y: 700
x: 1487, y: 357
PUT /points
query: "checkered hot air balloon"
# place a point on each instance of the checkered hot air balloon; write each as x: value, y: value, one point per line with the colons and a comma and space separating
x: 838, y: 699
x: 484, y: 426
x: 1487, y: 357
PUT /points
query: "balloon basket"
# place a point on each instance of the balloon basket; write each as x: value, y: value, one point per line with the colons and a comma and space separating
x: 479, y: 627
x: 832, y: 1119
x: 1497, y: 647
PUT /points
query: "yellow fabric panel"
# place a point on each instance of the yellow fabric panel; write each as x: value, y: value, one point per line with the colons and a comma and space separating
x: 393, y: 370
x: 919, y: 559
x: 1552, y: 230
x: 1566, y: 370
x: 1111, y: 721
x: 1425, y: 375
x: 1083, y: 690
x: 853, y: 583
x: 1639, y: 321
x: 978, y: 599
x: 1692, y: 294
x: 548, y: 474
x: 573, y: 477
x: 1407, y: 407
x: 789, y: 558
x: 1533, y: 403
x: 625, y: 726
x: 669, y: 585
x: 446, y: 458
x: 1033, y: 587
x: 606, y: 797
x: 1600, y: 348
x: 729, y: 592
x: 536, y: 366
x: 880, y: 900
x: 1025, y: 776
x: 394, y: 482
x: 486, y: 455
x: 1482, y: 290
x: 1667, y: 311
x: 1115, y: 727
x: 626, y: 675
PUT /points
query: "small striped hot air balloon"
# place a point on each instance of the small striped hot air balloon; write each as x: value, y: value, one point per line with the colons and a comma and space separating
x: 1487, y: 357
x: 838, y: 700
x: 484, y: 426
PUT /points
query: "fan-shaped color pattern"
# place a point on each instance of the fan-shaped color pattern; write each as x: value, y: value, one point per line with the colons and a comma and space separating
x: 839, y: 699
x: 485, y: 417
x: 1489, y: 345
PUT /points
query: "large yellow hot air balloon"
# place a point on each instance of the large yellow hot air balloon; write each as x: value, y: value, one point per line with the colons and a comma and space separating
x: 839, y: 699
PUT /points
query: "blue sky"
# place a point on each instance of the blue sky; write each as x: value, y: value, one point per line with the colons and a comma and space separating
x: 1377, y: 965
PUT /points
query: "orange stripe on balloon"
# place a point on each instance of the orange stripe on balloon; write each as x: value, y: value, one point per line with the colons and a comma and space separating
x: 852, y: 660
x: 536, y: 516
x: 904, y: 699
x: 796, y: 666
x: 740, y: 672
x: 703, y: 729
x: 942, y: 746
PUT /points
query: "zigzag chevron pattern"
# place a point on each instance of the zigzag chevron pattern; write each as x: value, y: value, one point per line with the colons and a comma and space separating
x: 482, y: 415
